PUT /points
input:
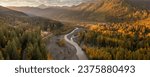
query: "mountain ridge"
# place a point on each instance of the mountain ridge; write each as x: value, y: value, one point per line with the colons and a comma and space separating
x: 97, y: 10
x: 42, y: 6
x: 4, y: 10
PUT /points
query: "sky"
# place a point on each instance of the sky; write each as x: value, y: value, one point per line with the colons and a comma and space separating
x: 39, y: 2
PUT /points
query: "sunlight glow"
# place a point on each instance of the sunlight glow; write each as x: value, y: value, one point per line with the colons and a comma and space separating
x: 39, y: 2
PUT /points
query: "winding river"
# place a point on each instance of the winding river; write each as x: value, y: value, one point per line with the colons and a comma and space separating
x: 80, y: 53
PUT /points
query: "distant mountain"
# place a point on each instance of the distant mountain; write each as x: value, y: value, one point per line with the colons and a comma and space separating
x: 6, y: 11
x: 95, y: 10
x: 42, y: 6
x: 102, y: 10
x: 27, y: 10
x: 15, y: 18
x: 50, y: 12
x: 11, y: 16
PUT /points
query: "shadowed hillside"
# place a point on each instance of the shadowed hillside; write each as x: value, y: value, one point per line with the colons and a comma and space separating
x: 144, y: 4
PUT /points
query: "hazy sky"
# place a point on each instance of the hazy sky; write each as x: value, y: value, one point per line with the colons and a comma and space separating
x: 38, y: 2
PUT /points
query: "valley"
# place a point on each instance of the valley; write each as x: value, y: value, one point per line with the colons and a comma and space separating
x: 91, y: 30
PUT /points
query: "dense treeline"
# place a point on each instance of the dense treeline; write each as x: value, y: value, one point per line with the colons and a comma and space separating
x: 116, y: 41
x: 21, y: 43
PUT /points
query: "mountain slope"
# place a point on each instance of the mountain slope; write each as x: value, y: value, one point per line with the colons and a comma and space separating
x: 111, y: 10
x: 96, y: 10
x: 105, y: 8
x: 144, y: 4
x: 18, y: 18
x: 6, y: 11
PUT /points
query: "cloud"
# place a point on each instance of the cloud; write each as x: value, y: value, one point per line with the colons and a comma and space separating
x: 38, y: 2
x: 17, y: 2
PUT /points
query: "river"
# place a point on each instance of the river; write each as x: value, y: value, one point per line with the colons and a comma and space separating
x: 80, y: 53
